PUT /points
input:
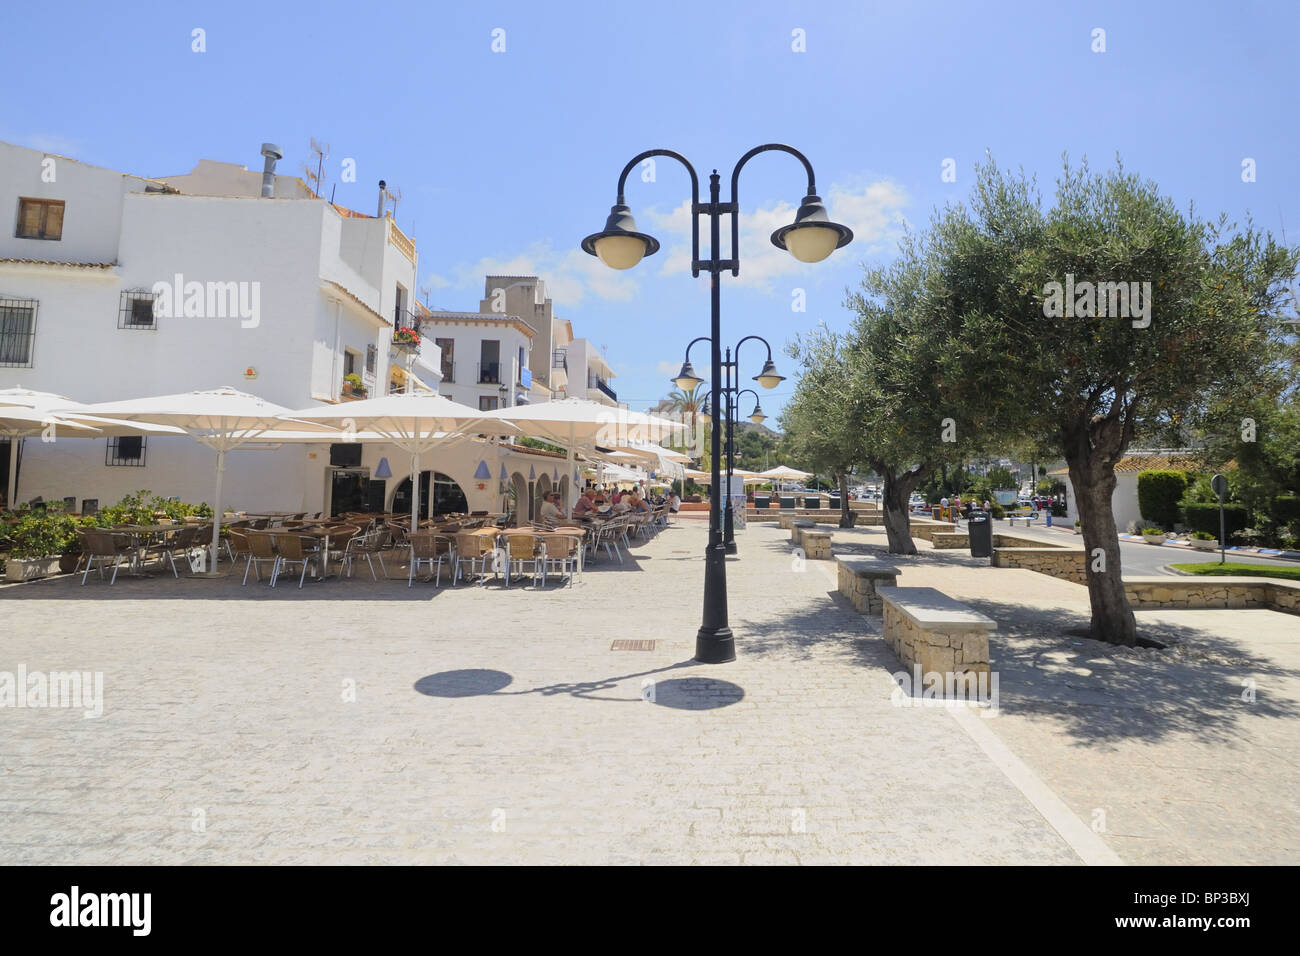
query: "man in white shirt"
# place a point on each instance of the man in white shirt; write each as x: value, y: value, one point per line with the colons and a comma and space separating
x: 551, y: 511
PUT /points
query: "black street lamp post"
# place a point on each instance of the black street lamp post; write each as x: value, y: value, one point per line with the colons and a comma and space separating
x: 768, y: 378
x: 810, y: 238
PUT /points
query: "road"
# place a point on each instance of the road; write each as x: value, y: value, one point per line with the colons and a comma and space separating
x: 1140, y: 558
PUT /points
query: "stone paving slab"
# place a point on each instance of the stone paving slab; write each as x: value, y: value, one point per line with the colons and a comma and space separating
x: 359, y: 722
x: 1185, y: 755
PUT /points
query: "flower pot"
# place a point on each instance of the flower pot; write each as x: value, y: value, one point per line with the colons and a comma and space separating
x: 1157, y: 539
x: 68, y: 563
x: 1200, y: 544
x: 29, y: 569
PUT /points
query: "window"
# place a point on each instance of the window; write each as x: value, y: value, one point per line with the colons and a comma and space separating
x: 372, y: 360
x: 127, y: 450
x: 487, y: 403
x: 136, y: 310
x: 448, y: 348
x: 17, y: 332
x: 40, y: 219
x: 349, y: 362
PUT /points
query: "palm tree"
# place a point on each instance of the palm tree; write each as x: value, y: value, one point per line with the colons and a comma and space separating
x: 687, y: 404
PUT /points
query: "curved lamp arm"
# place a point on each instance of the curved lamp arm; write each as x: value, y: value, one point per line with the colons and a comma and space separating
x: 735, y: 195
x: 701, y: 338
x: 695, y: 195
x: 746, y: 339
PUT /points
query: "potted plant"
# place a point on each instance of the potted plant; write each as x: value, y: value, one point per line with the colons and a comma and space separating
x: 1078, y: 526
x: 1153, y: 535
x: 39, y: 539
x: 1203, y: 541
x: 352, y: 385
x: 406, y: 338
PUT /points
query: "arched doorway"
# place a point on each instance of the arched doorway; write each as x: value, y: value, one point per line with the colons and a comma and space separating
x: 522, y: 505
x: 448, y: 496
x: 540, y: 491
x: 564, y: 491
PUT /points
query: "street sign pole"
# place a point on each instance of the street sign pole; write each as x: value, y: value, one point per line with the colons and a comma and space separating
x: 1220, y: 486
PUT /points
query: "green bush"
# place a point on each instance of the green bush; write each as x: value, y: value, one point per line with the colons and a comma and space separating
x: 1159, y: 494
x: 1286, y: 509
x: 44, y: 533
x: 1205, y: 517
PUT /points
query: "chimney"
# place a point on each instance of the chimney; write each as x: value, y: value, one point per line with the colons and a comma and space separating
x: 272, y: 153
x: 382, y: 186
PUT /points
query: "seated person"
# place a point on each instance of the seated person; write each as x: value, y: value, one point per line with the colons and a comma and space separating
x: 622, y: 504
x: 551, y: 512
x: 639, y: 503
x: 584, y: 504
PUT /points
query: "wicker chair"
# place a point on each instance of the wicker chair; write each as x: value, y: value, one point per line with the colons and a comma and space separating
x: 102, y: 546
x: 296, y: 549
x: 521, y: 549
x: 473, y: 548
x: 560, y: 551
x: 368, y: 546
x: 261, y: 547
x: 432, y: 549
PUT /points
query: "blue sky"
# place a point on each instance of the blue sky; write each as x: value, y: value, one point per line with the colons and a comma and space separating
x: 506, y: 160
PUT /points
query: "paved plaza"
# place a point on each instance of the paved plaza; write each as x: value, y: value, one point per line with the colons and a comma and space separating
x: 360, y: 722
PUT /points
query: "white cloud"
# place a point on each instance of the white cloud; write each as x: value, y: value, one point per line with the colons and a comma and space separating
x: 570, y: 275
x: 669, y: 369
x: 872, y: 210
x: 51, y: 143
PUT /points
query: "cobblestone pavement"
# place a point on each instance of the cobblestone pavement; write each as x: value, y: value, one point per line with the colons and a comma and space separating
x: 360, y: 722
x: 1186, y: 755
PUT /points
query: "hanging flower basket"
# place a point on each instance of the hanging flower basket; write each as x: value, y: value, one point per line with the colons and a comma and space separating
x: 406, y: 339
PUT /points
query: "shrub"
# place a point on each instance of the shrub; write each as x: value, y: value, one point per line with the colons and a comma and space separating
x: 44, y: 533
x: 1203, y: 536
x: 1159, y: 493
x: 1286, y: 509
x: 1205, y: 517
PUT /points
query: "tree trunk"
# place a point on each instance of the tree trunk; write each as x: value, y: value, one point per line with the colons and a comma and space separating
x: 846, y: 513
x: 894, y: 498
x: 1112, y: 617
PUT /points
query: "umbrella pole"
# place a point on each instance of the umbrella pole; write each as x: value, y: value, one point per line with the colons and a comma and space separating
x: 15, y: 444
x: 216, y: 508
x: 572, y: 495
x: 415, y: 491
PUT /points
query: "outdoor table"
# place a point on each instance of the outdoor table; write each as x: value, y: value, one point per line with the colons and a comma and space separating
x: 142, y: 537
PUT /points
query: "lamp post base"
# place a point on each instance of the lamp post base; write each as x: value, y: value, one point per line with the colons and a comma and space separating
x: 714, y: 643
x: 714, y: 647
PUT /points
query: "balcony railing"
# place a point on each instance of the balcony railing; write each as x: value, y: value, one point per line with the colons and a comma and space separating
x: 400, y: 240
x: 560, y: 359
x: 405, y: 319
x: 595, y: 381
x: 489, y: 373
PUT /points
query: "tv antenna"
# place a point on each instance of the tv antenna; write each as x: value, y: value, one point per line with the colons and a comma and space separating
x: 322, y: 151
x: 395, y: 195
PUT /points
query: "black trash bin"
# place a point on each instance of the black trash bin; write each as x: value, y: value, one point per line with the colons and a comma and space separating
x: 787, y: 503
x: 833, y: 503
x: 813, y: 503
x: 979, y: 529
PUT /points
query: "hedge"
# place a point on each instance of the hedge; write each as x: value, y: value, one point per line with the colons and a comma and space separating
x: 1203, y: 517
x: 1159, y: 493
x: 1286, y: 509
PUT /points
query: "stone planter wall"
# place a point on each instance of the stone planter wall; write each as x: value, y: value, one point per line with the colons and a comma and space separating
x: 927, y: 529
x: 1214, y: 592
x: 1011, y: 541
x: 30, y: 569
x: 950, y: 539
x: 1067, y: 564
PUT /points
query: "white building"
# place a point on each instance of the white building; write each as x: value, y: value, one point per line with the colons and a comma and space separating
x: 115, y: 286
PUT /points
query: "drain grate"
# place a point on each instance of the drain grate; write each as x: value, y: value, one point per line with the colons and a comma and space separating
x: 632, y: 646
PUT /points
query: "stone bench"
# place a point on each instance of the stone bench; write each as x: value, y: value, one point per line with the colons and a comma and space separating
x: 815, y: 544
x: 797, y: 525
x: 1213, y: 591
x: 859, y: 578
x: 1027, y: 519
x: 950, y: 539
x: 935, y: 634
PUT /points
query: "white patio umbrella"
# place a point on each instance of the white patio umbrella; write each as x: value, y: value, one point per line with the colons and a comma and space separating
x: 782, y: 473
x: 415, y: 423
x: 575, y: 421
x: 221, y: 418
x: 28, y: 414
